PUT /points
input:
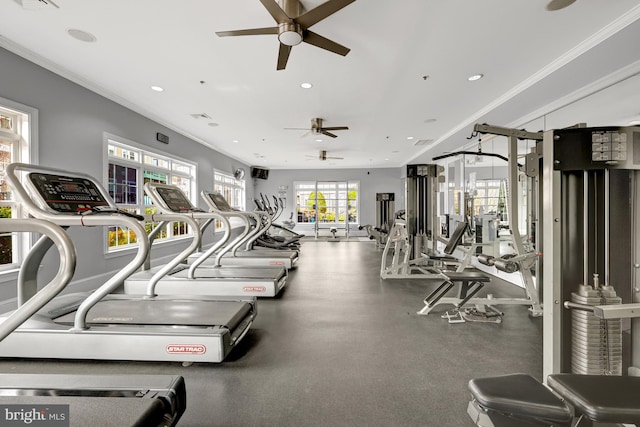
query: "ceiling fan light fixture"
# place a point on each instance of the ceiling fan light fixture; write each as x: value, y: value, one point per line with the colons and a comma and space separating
x: 289, y: 34
x: 81, y: 35
x: 559, y: 4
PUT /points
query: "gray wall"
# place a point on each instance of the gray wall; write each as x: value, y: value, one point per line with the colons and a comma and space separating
x: 372, y: 181
x: 72, y: 121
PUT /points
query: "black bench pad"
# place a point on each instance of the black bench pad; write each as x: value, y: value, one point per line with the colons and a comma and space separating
x: 608, y: 399
x: 520, y: 395
x: 469, y: 276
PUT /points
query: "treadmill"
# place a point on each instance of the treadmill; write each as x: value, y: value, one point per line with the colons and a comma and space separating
x: 177, y: 278
x: 241, y: 251
x: 101, y: 325
x: 81, y: 400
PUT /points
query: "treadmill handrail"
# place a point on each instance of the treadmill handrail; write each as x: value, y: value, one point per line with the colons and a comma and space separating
x: 167, y: 218
x: 246, y: 234
x: 226, y: 227
x: 151, y: 188
x: 66, y: 269
x: 261, y: 228
x: 65, y: 219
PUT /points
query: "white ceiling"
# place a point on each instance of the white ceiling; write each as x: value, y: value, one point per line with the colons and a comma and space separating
x: 533, y: 60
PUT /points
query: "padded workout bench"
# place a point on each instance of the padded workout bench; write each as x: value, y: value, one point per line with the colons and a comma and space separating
x: 470, y: 283
x: 520, y: 400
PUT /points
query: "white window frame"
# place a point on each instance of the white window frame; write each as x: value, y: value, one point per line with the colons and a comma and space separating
x: 140, y: 166
x: 231, y: 183
x: 313, y: 187
x: 23, y: 138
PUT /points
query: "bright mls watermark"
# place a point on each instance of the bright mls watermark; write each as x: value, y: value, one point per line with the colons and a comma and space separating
x: 34, y: 415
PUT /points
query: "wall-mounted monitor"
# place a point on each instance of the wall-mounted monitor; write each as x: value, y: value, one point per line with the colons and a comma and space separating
x: 260, y: 173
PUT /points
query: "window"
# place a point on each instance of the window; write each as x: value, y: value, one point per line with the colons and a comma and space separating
x: 17, y: 144
x: 128, y: 169
x: 489, y: 197
x: 231, y: 188
x: 334, y: 202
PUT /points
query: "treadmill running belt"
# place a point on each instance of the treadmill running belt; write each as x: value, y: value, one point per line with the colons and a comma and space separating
x: 164, y: 312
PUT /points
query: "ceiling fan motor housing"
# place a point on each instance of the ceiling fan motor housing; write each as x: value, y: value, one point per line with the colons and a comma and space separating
x: 289, y: 34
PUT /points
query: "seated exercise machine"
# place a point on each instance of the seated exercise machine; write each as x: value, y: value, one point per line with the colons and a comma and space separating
x: 590, y: 182
x: 102, y: 325
x: 469, y: 307
x: 176, y: 278
x: 80, y: 400
x: 396, y: 256
x: 570, y: 400
x: 375, y: 233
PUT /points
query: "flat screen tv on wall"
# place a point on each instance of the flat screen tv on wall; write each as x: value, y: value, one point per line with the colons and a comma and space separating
x: 260, y: 173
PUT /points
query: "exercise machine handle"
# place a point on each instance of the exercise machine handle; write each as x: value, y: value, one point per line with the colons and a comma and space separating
x: 66, y: 269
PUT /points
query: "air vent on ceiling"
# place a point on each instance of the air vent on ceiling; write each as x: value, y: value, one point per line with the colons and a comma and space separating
x: 36, y: 4
x: 201, y: 116
x: 423, y: 142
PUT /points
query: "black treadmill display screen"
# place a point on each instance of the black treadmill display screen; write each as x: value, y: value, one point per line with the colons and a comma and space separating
x: 67, y: 194
x: 220, y: 202
x: 175, y: 199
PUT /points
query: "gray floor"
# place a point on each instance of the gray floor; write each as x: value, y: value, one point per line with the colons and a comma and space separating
x: 340, y: 347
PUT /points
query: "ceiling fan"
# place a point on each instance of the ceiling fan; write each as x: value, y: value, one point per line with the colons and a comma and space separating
x: 318, y: 129
x: 559, y: 4
x: 322, y: 155
x: 293, y: 26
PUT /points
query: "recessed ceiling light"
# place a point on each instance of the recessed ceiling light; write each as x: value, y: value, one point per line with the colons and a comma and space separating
x: 83, y: 36
x: 430, y: 120
x: 235, y: 141
x: 386, y: 159
x: 395, y: 151
x: 157, y: 88
x: 213, y: 125
x: 318, y: 140
x: 306, y: 85
x: 409, y: 137
x: 475, y: 77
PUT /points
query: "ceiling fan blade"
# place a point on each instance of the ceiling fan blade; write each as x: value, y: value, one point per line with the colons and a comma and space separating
x: 559, y: 4
x: 336, y: 158
x: 283, y: 56
x: 324, y: 43
x: 336, y: 128
x: 332, y: 135
x: 275, y: 11
x: 317, y: 14
x: 249, y: 32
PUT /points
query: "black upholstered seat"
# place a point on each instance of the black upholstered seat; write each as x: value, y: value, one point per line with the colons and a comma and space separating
x: 520, y: 395
x: 606, y: 399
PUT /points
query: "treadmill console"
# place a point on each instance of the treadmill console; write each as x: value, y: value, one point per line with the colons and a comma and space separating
x: 68, y: 194
x: 219, y: 201
x: 175, y: 200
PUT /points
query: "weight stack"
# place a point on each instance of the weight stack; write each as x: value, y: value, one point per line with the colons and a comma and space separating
x: 419, y: 245
x: 596, y: 344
